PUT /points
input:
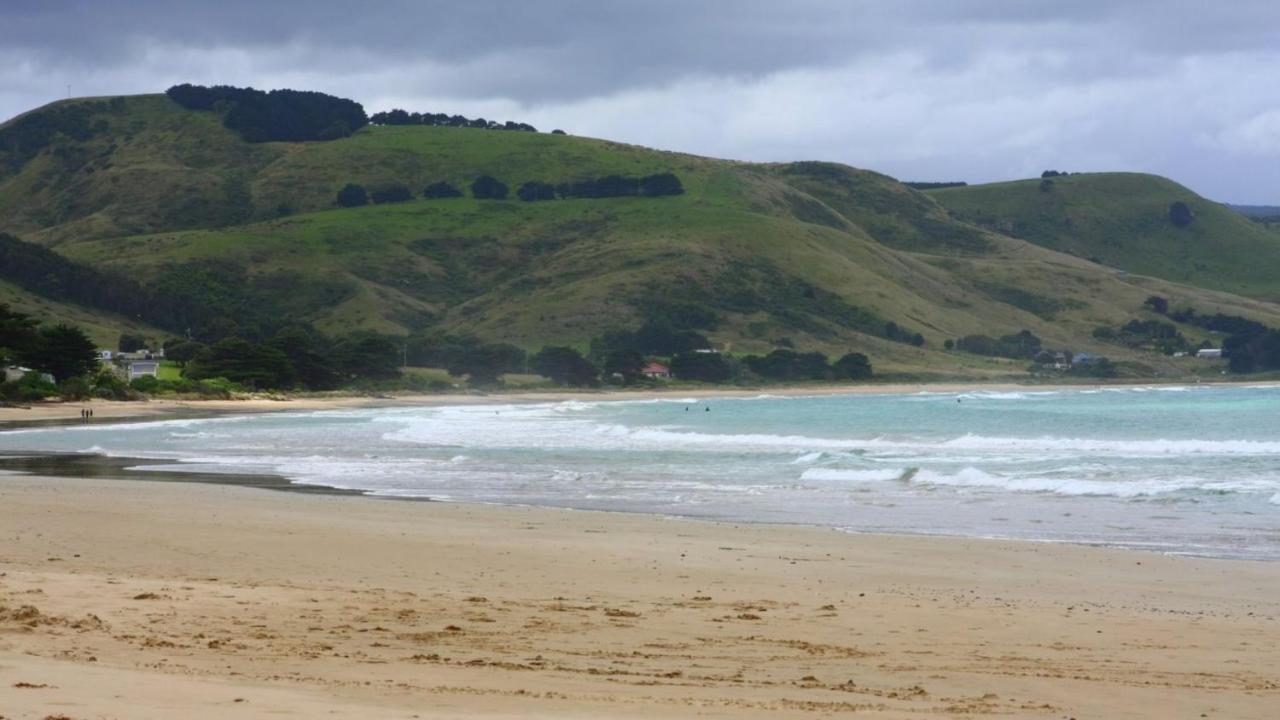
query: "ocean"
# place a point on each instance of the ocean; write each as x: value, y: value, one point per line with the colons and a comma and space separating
x: 1188, y: 470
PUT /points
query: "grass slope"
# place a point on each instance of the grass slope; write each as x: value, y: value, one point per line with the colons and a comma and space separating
x: 815, y: 253
x: 1121, y: 220
x: 103, y: 328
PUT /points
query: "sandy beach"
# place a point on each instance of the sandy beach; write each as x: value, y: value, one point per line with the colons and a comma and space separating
x: 142, y: 599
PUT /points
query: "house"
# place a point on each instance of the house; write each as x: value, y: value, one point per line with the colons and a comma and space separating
x: 1209, y: 353
x: 14, y: 373
x: 656, y: 371
x: 140, y: 368
x: 105, y: 355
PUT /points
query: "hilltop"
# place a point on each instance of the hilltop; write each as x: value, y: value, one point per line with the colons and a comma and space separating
x: 808, y: 254
x: 1123, y: 221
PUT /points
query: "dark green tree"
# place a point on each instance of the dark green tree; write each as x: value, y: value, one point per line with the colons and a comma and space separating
x: 352, y: 195
x: 783, y: 364
x: 483, y: 364
x: 1180, y: 214
x: 62, y: 351
x: 130, y: 342
x: 536, y: 190
x: 182, y: 351
x: 488, y: 188
x: 369, y: 356
x: 1157, y: 304
x: 311, y: 355
x: 626, y: 363
x: 660, y: 185
x: 705, y: 367
x: 565, y: 366
x: 245, y: 363
x: 18, y: 333
x: 852, y: 366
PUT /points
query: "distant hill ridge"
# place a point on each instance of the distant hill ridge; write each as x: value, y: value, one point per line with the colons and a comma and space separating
x: 809, y: 255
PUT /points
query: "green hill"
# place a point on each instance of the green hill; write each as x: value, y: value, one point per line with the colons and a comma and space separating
x: 1122, y: 220
x: 818, y: 255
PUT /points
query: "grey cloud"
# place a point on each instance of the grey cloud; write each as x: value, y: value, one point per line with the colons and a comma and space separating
x: 978, y: 90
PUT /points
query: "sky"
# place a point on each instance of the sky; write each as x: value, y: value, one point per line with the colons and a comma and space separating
x: 924, y: 90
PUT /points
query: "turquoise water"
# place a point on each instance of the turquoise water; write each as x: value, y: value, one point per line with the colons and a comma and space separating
x: 1178, y: 469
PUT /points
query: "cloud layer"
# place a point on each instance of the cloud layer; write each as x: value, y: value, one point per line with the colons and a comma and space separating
x: 920, y: 89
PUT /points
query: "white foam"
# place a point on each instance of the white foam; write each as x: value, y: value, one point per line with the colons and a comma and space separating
x: 971, y: 477
x: 853, y: 476
x: 1275, y: 499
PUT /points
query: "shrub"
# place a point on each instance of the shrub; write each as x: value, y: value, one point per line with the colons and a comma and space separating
x: 147, y: 384
x: 660, y: 185
x: 535, y: 190
x: 76, y: 388
x: 352, y: 195
x: 486, y: 187
x: 1180, y: 214
x: 852, y: 366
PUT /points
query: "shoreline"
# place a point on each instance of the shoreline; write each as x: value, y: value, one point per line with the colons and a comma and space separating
x: 133, y: 599
x: 98, y: 466
x: 68, y: 413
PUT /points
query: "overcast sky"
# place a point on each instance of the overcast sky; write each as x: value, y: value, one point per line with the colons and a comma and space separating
x: 975, y: 90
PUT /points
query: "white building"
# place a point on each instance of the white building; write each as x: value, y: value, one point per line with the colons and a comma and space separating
x: 140, y: 368
x: 1209, y: 353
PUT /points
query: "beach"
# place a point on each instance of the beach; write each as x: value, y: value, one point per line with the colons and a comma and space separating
x: 145, y: 599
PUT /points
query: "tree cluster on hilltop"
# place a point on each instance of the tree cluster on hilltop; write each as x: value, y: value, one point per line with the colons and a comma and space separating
x: 279, y: 115
x: 402, y: 117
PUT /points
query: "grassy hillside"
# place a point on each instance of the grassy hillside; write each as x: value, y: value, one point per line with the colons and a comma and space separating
x: 102, y: 327
x: 816, y: 254
x: 1121, y: 220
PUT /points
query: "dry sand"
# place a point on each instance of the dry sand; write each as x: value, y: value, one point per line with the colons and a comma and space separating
x: 139, y: 600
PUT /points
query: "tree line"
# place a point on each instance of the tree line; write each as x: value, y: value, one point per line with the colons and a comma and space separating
x: 487, y: 187
x: 402, y: 117
x: 61, y: 352
x: 935, y: 185
x: 620, y: 356
x: 278, y: 115
x: 1250, y: 346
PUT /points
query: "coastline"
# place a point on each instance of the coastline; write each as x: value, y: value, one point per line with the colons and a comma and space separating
x: 135, y: 599
x: 68, y: 413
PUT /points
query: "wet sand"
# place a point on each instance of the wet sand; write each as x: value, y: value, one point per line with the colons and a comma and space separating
x: 146, y: 599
